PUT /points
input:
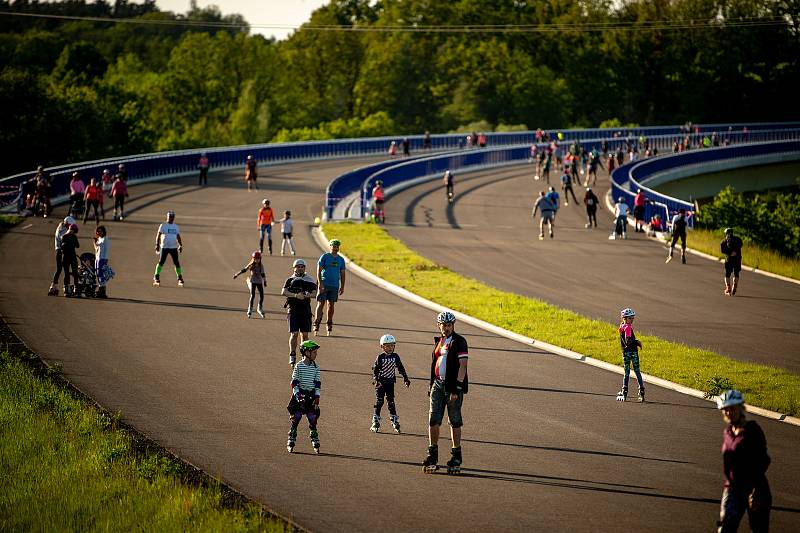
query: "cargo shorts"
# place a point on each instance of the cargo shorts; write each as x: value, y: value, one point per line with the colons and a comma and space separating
x: 440, y: 400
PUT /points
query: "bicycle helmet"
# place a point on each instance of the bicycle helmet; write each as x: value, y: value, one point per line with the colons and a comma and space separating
x: 298, y: 262
x: 387, y: 339
x: 69, y: 221
x: 445, y: 317
x: 627, y: 313
x: 728, y: 231
x: 729, y: 398
x: 265, y: 201
x: 256, y: 255
x: 621, y: 199
x: 307, y: 346
x: 379, y: 182
x: 106, y: 171
x: 296, y: 286
x: 249, y: 157
x: 335, y: 242
x: 75, y: 174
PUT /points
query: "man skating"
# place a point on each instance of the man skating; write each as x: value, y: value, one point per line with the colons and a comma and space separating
x: 330, y: 281
x: 168, y: 244
x: 731, y: 248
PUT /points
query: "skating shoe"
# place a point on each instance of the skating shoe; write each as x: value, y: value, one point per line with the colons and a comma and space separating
x: 541, y: 237
x: 292, y: 358
x: 551, y: 234
x: 376, y: 424
x: 683, y: 259
x: 292, y: 439
x: 261, y: 311
x: 101, y: 293
x: 53, y: 291
x: 249, y: 313
x: 669, y: 258
x: 641, y: 396
x: 622, y: 395
x: 314, y: 436
x: 429, y: 465
x: 328, y: 329
x: 180, y: 282
x: 66, y: 292
x: 156, y: 282
x: 395, y: 423
x: 727, y: 291
x: 733, y: 290
x: 454, y: 464
x: 315, y: 329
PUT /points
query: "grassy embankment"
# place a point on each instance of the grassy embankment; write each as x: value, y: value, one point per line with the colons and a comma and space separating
x: 68, y: 467
x: 707, y: 241
x: 374, y: 249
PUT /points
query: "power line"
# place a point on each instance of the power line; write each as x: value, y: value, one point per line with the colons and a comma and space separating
x: 661, y: 25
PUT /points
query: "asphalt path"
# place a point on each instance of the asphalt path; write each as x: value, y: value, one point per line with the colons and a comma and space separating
x: 546, y: 445
x: 487, y: 234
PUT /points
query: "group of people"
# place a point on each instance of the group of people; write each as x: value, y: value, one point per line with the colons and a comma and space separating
x: 89, y: 272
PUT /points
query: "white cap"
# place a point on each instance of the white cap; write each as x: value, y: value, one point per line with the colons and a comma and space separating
x: 298, y: 262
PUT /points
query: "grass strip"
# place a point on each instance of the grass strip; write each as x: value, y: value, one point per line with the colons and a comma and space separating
x: 67, y: 467
x: 768, y: 260
x: 374, y: 249
x: 9, y: 221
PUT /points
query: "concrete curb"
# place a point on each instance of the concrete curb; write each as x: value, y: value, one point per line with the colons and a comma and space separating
x: 747, y: 268
x: 322, y: 241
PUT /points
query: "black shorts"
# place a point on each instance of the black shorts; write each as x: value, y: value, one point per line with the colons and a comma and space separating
x: 287, y: 235
x: 299, y: 322
x: 304, y: 407
x: 638, y: 212
x: 733, y: 266
x: 379, y: 202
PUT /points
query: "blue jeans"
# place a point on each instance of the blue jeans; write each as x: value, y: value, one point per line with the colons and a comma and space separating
x: 628, y: 359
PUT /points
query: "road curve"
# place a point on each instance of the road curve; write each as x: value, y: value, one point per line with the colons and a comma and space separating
x: 583, y: 271
x: 546, y: 448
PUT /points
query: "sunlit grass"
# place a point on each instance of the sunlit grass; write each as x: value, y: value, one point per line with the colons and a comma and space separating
x: 374, y: 249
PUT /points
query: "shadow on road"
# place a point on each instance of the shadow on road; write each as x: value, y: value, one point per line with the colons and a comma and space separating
x: 188, y: 306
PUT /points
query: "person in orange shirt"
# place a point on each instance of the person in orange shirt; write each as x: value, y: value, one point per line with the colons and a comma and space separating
x: 266, y: 218
x: 92, y: 195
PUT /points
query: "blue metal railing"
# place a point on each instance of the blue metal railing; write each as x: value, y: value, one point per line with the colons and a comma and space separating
x: 627, y: 179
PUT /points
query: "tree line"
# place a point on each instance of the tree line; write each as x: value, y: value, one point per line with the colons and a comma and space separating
x: 73, y: 89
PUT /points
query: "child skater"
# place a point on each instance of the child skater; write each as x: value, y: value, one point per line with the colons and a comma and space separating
x: 383, y: 371
x: 630, y: 353
x: 256, y: 280
x: 287, y: 225
x: 305, y: 395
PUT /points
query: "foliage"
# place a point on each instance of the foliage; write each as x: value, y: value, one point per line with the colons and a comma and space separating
x: 373, y: 248
x: 771, y: 219
x: 67, y: 467
x: 78, y: 89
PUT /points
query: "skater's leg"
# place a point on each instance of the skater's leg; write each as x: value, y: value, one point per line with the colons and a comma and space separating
x: 433, y: 434
x: 380, y: 392
x: 291, y: 245
x: 59, y: 261
x: 252, y: 297
x: 541, y: 226
x: 318, y: 313
x: 455, y: 436
x: 269, y: 237
x: 331, y: 308
x: 637, y: 371
x: 260, y: 288
x: 261, y: 232
x: 283, y: 245
x: 389, y: 389
x: 627, y: 375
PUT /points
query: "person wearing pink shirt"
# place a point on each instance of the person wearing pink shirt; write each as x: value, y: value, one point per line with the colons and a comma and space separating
x: 119, y: 191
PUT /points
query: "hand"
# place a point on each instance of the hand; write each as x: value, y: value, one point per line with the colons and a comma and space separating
x: 453, y: 397
x: 341, y: 290
x: 158, y: 248
x: 180, y: 248
x: 316, y: 401
x: 639, y: 343
x: 408, y: 383
x: 235, y: 276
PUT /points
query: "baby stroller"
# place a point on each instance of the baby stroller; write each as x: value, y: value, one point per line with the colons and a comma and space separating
x: 87, y: 277
x: 77, y: 206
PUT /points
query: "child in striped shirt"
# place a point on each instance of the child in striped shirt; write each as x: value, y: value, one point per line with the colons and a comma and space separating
x: 383, y: 371
x: 305, y: 395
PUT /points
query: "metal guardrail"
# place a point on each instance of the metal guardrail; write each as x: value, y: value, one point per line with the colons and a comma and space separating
x: 626, y: 179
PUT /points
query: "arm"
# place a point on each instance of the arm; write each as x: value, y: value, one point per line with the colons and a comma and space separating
x: 180, y: 243
x: 242, y: 271
x: 296, y: 383
x: 402, y: 371
x: 341, y: 283
x: 158, y: 241
x: 376, y: 366
x: 317, y: 385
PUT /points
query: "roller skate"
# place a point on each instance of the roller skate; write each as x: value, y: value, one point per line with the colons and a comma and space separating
x: 395, y: 423
x: 669, y: 258
x: 261, y: 312
x: 292, y: 358
x: 376, y: 424
x: 316, y: 327
x: 733, y: 288
x: 156, y: 281
x: 314, y: 436
x: 429, y: 465
x: 640, y: 399
x: 454, y: 464
x: 101, y: 293
x: 292, y: 440
x: 53, y: 291
x: 622, y: 395
x: 328, y: 329
x: 683, y: 259
x: 249, y: 313
x: 66, y: 292
x: 180, y: 282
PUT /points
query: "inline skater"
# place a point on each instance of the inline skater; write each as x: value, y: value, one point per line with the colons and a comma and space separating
x: 679, y: 224
x: 256, y: 281
x: 639, y: 202
x: 384, y: 378
x: 630, y: 354
x: 448, y: 180
x: 745, y: 462
x: 102, y: 244
x: 61, y: 229
x: 621, y: 211
x: 202, y: 165
x: 378, y: 198
x: 251, y: 173
x: 306, y: 385
x: 287, y: 227
x: 119, y: 191
x: 298, y: 289
x: 330, y: 280
x: 566, y: 186
x: 92, y: 197
x: 731, y: 248
x: 448, y: 385
x: 266, y: 218
x: 544, y: 204
x: 69, y: 260
x: 168, y: 243
x: 591, y: 202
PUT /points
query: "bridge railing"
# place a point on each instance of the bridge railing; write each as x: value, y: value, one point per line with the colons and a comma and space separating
x: 627, y: 179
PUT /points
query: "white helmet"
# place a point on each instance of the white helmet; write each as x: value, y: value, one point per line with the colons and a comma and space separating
x: 387, y: 339
x: 298, y: 262
x: 69, y: 221
x: 627, y: 313
x: 446, y: 317
x: 729, y: 398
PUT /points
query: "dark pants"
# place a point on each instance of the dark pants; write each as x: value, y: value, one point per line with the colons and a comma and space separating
x: 92, y: 204
x: 253, y: 288
x: 119, y: 204
x: 171, y: 252
x: 592, y: 213
x: 384, y: 387
x: 70, y: 263
x: 203, y: 179
x: 734, y: 504
x: 59, y: 259
x: 675, y: 237
x: 568, y: 189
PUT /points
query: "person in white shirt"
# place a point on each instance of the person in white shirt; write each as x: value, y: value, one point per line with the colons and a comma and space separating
x: 168, y: 243
x: 621, y: 211
x: 101, y: 246
x: 287, y: 225
x: 61, y: 229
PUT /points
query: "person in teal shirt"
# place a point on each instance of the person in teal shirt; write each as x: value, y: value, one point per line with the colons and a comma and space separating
x: 330, y: 280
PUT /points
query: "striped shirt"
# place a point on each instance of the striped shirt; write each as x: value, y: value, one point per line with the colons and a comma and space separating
x: 385, y: 366
x: 305, y: 378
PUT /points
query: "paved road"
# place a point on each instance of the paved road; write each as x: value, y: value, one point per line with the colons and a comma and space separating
x: 487, y: 234
x: 547, y: 448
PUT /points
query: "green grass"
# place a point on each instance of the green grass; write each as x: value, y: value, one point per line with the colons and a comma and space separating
x: 9, y: 221
x: 374, y: 249
x: 707, y: 241
x: 66, y: 467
